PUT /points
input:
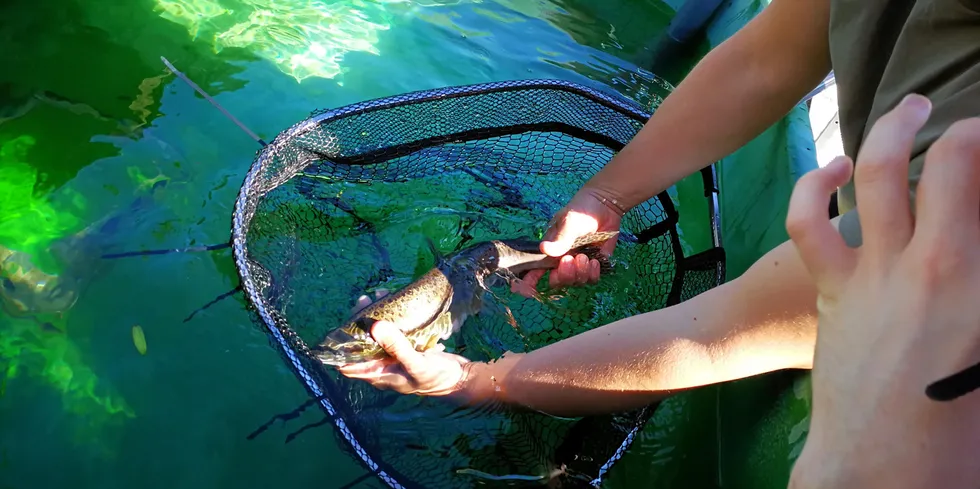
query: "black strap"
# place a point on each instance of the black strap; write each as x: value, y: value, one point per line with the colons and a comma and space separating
x: 956, y: 385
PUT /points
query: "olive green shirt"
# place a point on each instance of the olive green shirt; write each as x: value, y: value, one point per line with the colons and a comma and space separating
x: 881, y: 51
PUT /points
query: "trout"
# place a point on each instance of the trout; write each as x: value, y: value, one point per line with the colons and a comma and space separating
x: 435, y: 306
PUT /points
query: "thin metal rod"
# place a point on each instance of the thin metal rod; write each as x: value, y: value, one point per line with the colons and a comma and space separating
x: 213, y: 101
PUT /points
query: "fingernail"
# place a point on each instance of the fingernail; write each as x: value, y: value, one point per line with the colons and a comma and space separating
x: 838, y: 164
x: 553, y: 248
x: 380, y: 328
x: 919, y: 105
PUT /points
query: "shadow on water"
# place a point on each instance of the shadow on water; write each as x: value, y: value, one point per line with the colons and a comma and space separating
x: 76, y: 90
x: 63, y: 69
x: 80, y: 104
x: 82, y: 170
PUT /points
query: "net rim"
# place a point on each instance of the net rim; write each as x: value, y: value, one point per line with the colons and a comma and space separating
x: 240, y: 223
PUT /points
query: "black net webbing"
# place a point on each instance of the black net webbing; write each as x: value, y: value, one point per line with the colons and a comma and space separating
x: 341, y: 203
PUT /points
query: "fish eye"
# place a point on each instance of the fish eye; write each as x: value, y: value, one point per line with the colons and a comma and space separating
x: 8, y: 285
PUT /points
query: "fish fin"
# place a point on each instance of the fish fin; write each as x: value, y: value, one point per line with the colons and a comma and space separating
x: 595, y: 253
x: 593, y: 238
x: 439, y: 257
x: 467, y: 295
x: 495, y: 306
x: 425, y: 338
x: 590, y: 246
x: 498, y: 279
x: 433, y: 341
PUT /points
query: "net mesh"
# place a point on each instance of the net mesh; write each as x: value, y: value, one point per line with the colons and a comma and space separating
x: 341, y: 204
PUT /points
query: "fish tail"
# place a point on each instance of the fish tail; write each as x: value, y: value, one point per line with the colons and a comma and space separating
x: 593, y: 238
x: 594, y: 252
x: 590, y: 245
x: 533, y: 247
x: 525, y: 254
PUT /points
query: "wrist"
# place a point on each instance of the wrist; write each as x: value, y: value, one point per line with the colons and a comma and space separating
x: 485, y: 382
x: 609, y: 197
x: 467, y: 388
x: 625, y: 178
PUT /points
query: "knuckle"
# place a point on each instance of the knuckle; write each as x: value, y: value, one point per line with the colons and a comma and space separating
x: 883, y: 149
x: 800, y: 216
x: 941, y: 258
x: 961, y: 141
x: 876, y: 167
x: 797, y: 226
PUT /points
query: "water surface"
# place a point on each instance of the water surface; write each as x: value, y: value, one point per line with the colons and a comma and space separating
x: 102, y: 149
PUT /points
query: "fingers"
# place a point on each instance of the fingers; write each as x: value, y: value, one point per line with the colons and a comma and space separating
x: 948, y: 197
x: 365, y: 369
x: 396, y: 345
x: 364, y: 301
x: 527, y: 286
x: 564, y: 273
x: 386, y: 373
x: 582, y: 269
x: 574, y: 270
x: 573, y: 225
x: 388, y: 381
x: 881, y: 177
x: 822, y: 249
x: 571, y: 270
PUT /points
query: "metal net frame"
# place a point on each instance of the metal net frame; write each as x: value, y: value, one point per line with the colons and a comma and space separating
x: 390, y: 139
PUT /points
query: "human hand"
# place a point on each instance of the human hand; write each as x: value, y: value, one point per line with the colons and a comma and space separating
x: 589, y: 211
x: 405, y: 369
x: 896, y: 314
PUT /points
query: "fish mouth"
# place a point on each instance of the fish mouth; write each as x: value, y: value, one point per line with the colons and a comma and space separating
x: 340, y: 348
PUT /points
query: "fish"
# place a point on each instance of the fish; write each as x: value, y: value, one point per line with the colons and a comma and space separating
x: 25, y: 290
x: 28, y: 291
x: 435, y: 306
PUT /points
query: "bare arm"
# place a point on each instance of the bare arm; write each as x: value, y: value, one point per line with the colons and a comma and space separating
x: 763, y: 321
x: 737, y: 91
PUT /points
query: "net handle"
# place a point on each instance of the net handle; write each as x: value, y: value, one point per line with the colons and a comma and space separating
x: 214, y: 102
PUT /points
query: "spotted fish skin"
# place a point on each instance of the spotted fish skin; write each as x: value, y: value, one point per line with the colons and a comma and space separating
x: 435, y: 306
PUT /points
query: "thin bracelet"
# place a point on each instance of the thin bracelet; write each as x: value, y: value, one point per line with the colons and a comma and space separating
x: 496, y: 391
x: 614, y: 202
x: 464, y: 378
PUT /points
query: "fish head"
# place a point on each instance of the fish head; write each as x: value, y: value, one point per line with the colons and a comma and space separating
x: 478, y: 259
x: 26, y: 290
x: 350, y: 343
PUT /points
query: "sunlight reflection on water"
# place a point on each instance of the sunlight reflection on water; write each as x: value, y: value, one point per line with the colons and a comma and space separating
x: 303, y: 39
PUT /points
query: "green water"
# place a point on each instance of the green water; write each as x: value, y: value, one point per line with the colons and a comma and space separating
x: 90, y: 122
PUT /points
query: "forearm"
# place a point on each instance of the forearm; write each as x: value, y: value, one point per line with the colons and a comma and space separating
x: 739, y: 89
x: 600, y: 371
x: 760, y: 322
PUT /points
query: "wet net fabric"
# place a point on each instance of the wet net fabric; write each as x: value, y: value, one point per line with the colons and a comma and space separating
x: 340, y: 205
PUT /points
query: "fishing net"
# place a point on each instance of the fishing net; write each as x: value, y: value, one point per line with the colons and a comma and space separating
x: 341, y: 204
